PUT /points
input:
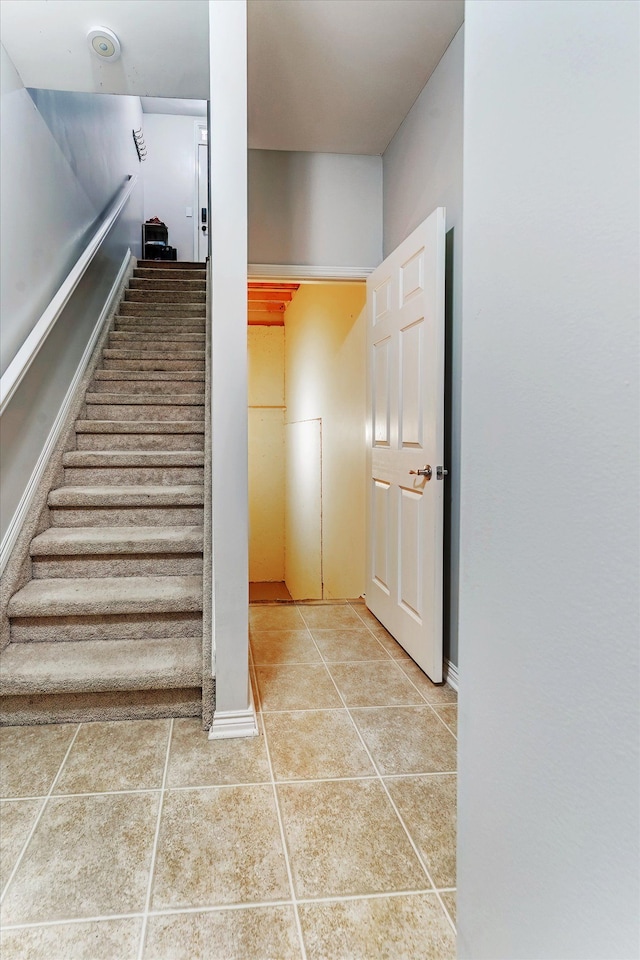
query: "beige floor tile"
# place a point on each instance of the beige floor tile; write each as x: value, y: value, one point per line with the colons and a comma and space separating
x: 254, y: 933
x: 268, y: 616
x: 385, y: 928
x: 16, y: 820
x: 128, y: 755
x: 407, y: 740
x: 330, y: 616
x: 449, y: 900
x: 283, y: 646
x: 373, y: 684
x: 89, y: 856
x: 344, y: 838
x: 30, y: 758
x: 428, y: 807
x: 349, y: 644
x: 314, y: 744
x: 296, y: 687
x: 196, y: 761
x: 103, y: 940
x: 449, y: 713
x: 217, y: 846
x: 390, y: 644
x: 432, y: 692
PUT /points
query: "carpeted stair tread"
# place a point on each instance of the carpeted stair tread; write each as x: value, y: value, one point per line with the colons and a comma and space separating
x: 154, y: 399
x: 174, y: 295
x: 169, y: 376
x: 133, y: 458
x: 115, y: 353
x: 90, y: 541
x: 167, y: 283
x: 171, y: 265
x: 116, y: 595
x: 139, y: 426
x: 132, y: 336
x: 129, y: 495
x: 95, y: 665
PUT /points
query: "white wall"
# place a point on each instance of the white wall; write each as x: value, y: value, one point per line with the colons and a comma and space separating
x: 423, y: 170
x: 548, y: 862
x: 266, y: 453
x: 228, y: 237
x: 315, y: 209
x: 325, y: 383
x: 63, y: 157
x: 51, y: 198
x: 170, y: 176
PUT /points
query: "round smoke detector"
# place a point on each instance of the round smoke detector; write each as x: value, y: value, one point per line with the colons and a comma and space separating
x: 104, y: 43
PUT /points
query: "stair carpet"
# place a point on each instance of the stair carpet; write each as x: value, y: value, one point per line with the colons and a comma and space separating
x: 110, y: 625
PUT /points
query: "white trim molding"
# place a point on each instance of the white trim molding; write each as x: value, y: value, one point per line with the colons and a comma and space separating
x: 232, y: 724
x: 15, y: 525
x: 451, y: 674
x: 301, y: 272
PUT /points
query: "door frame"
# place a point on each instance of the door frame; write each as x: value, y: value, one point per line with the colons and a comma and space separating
x: 198, y: 141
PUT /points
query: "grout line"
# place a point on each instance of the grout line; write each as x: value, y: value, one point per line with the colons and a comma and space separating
x: 39, y: 816
x: 283, y: 839
x: 421, y: 860
x: 163, y: 788
x: 221, y: 907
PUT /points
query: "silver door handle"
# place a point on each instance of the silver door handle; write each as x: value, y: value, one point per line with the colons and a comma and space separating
x: 425, y: 472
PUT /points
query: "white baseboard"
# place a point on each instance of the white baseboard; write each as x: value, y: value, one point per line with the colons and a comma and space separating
x: 451, y: 674
x: 298, y: 272
x: 230, y: 724
x: 13, y: 530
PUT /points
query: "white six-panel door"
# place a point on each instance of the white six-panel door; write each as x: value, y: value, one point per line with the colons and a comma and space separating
x: 405, y: 344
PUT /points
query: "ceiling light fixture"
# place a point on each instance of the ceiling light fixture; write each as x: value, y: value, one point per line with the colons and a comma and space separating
x: 104, y: 44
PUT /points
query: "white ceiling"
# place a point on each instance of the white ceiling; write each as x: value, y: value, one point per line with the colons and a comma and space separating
x: 339, y: 76
x: 165, y: 45
x: 334, y: 76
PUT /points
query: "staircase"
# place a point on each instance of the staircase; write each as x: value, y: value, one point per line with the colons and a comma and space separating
x: 110, y: 625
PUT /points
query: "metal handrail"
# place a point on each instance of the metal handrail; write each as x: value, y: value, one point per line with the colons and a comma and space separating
x: 12, y: 377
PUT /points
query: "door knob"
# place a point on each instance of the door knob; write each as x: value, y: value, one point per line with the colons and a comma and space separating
x: 425, y: 472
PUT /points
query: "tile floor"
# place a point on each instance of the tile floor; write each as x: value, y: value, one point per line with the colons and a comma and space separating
x: 332, y: 835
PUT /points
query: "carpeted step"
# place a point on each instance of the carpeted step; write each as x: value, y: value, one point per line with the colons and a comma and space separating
x: 157, y: 353
x: 156, y: 335
x: 152, y: 343
x: 117, y: 552
x: 175, y: 294
x: 139, y: 325
x: 97, y: 665
x: 151, y: 363
x: 131, y: 466
x: 161, y: 387
x: 113, y: 406
x: 170, y: 377
x: 130, y: 626
x: 78, y: 597
x: 159, y: 273
x: 134, y: 308
x: 84, y: 541
x: 140, y: 435
x: 168, y: 283
x: 171, y: 265
x: 124, y: 505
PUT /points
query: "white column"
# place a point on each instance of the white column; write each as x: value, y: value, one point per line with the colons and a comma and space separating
x: 234, y: 714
